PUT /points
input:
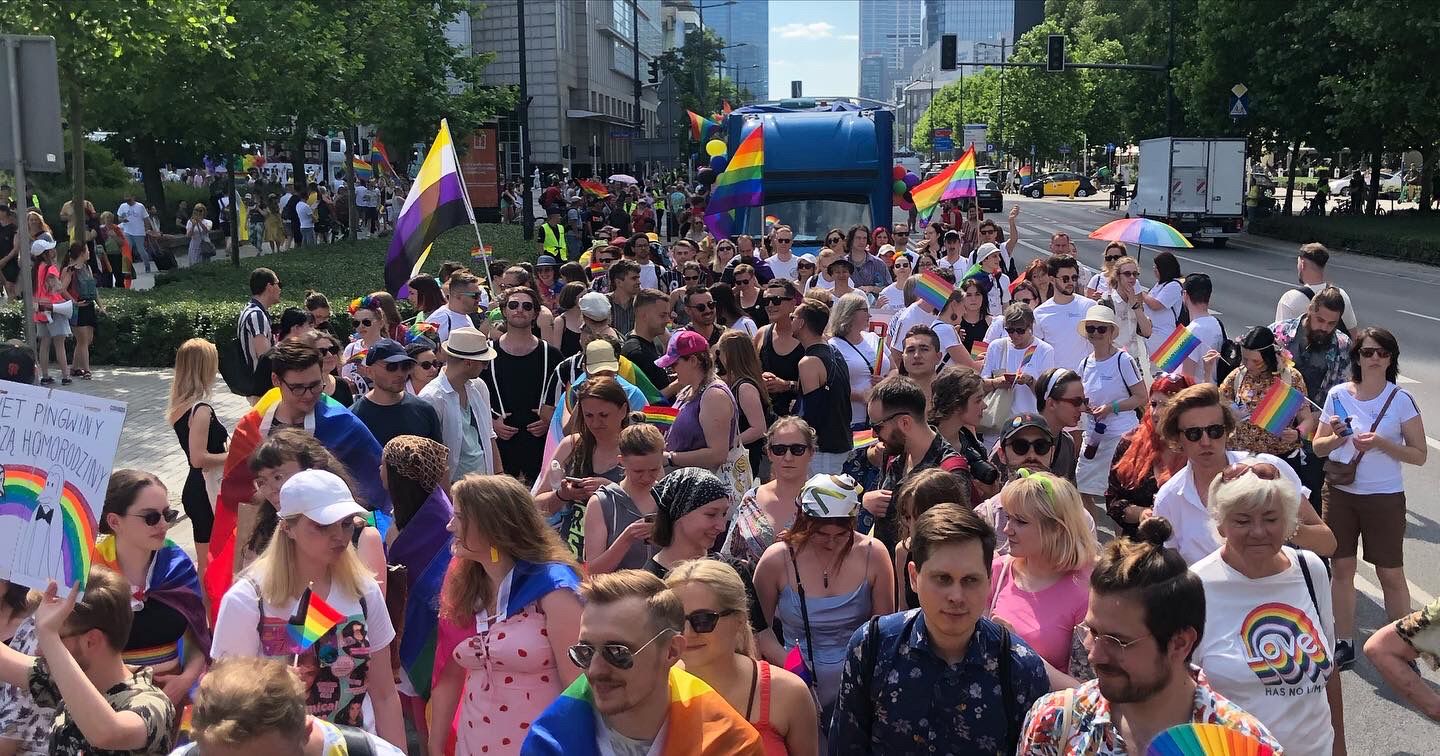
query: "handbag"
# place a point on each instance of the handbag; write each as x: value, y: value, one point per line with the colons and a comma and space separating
x: 998, y: 404
x: 1343, y: 473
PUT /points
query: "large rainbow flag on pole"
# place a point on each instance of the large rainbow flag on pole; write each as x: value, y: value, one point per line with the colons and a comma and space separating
x: 436, y: 204
x: 699, y: 125
x: 957, y: 180
x: 739, y: 186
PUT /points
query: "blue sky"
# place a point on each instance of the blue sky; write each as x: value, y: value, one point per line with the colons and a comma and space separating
x: 817, y: 42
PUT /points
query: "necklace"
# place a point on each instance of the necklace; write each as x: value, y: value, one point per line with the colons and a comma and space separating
x: 825, y: 572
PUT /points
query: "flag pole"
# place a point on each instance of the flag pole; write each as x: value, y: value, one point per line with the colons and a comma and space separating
x: 469, y: 209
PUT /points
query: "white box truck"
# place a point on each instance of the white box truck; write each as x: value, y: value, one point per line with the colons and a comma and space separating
x: 1195, y: 185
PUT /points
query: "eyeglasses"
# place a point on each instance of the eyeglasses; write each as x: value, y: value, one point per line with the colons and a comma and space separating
x: 279, y: 285
x: 518, y: 305
x: 775, y: 301
x: 1262, y: 470
x: 783, y: 241
x: 705, y: 620
x: 1068, y: 279
x: 391, y: 367
x: 430, y: 364
x: 1096, y: 330
x: 744, y: 282
x: 690, y: 278
x: 1369, y: 352
x: 1017, y: 331
x: 301, y: 389
x: 1129, y: 274
x: 794, y: 450
x: 153, y: 518
x: 834, y: 240
x: 703, y: 306
x: 876, y: 426
x: 617, y: 655
x: 1213, y: 431
x: 367, y: 322
x: 1109, y: 643
x: 1024, y: 445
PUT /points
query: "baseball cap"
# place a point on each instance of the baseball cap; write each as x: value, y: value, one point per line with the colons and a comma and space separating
x: 885, y: 251
x: 40, y: 247
x: 319, y: 495
x: 1021, y: 422
x: 387, y: 350
x: 600, y: 355
x: 682, y: 344
x: 595, y: 306
x: 807, y: 257
x: 17, y: 363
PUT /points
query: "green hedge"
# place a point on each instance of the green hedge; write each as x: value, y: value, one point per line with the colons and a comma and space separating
x: 144, y: 328
x: 108, y: 199
x: 1405, y: 235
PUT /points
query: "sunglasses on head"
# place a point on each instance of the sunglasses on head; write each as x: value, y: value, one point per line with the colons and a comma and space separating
x: 153, y: 518
x: 516, y: 304
x: 1369, y: 352
x: 1216, y: 431
x: 1024, y: 445
x: 705, y: 620
x: 1262, y: 470
x: 794, y: 450
x: 617, y: 655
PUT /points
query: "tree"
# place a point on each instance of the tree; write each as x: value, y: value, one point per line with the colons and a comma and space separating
x: 694, y: 73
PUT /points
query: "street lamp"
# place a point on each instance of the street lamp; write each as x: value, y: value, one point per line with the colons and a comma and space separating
x: 999, y: 113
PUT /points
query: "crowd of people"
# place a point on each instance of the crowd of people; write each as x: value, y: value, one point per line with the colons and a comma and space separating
x: 663, y: 494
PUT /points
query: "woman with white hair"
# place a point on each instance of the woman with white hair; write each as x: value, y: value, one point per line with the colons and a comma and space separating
x: 850, y: 335
x: 1269, y: 639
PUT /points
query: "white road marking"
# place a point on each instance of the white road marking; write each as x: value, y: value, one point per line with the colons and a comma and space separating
x: 1418, y: 315
x: 1405, y: 379
x: 1419, y: 597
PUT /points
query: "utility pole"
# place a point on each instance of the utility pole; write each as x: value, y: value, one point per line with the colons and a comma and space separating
x: 522, y: 114
x: 1170, y: 75
x: 1000, y: 116
x: 635, y: 58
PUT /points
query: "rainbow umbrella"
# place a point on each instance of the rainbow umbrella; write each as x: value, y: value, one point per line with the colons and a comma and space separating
x: 1142, y: 231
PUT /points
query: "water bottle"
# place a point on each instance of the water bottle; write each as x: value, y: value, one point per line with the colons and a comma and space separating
x: 1094, y: 444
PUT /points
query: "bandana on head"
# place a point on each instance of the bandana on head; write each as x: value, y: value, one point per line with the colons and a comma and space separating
x: 418, y: 458
x: 686, y: 490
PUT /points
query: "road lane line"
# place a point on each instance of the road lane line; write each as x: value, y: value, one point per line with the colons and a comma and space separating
x: 1419, y: 597
x: 1418, y: 315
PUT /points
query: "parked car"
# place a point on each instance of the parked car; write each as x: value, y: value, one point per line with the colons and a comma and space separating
x: 1389, y: 184
x: 988, y: 194
x: 1063, y: 184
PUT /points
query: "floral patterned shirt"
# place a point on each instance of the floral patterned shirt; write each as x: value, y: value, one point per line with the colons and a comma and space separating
x: 1336, y: 359
x: 1093, y: 733
x: 139, y: 695
x: 1243, y: 390
x: 1422, y: 631
x: 905, y: 699
x: 21, y: 719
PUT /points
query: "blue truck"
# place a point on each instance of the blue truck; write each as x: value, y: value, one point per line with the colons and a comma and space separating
x: 828, y: 165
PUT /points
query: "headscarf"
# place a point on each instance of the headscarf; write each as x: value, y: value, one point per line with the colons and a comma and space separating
x: 686, y: 490
x: 420, y: 459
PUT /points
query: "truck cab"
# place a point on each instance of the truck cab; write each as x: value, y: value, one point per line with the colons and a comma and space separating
x: 828, y: 164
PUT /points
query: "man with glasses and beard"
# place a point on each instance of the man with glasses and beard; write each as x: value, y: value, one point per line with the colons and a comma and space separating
x: 631, y: 636
x: 1322, y: 355
x: 897, y: 418
x: 461, y: 304
x: 517, y: 385
x: 1146, y: 616
x: 700, y: 307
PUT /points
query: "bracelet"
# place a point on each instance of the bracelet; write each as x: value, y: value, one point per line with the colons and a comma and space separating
x: 1114, y: 408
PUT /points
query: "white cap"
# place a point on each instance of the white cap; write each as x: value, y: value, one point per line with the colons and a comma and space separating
x: 595, y: 306
x: 319, y: 495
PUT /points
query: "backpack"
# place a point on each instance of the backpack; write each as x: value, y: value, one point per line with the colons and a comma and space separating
x: 1306, y: 292
x: 356, y: 743
x: 1230, y: 356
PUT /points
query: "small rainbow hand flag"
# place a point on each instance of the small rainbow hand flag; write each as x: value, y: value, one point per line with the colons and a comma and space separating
x: 1277, y: 408
x: 932, y: 288
x: 421, y: 329
x: 863, y: 438
x: 596, y: 266
x: 1176, y: 348
x: 978, y: 350
x: 358, y: 357
x: 661, y: 417
x: 313, y: 619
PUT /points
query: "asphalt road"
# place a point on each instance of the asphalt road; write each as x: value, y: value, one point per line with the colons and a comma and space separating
x: 1250, y: 275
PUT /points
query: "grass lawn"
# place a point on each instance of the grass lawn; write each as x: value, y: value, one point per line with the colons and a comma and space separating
x: 1406, y: 235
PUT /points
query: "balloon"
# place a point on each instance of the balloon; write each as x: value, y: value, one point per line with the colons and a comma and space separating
x: 911, y: 180
x: 899, y: 186
x: 896, y: 199
x: 906, y: 205
x: 718, y: 163
x: 714, y: 147
x: 705, y: 176
x: 898, y: 172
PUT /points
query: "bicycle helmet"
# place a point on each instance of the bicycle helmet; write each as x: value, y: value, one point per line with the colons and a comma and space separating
x: 826, y: 497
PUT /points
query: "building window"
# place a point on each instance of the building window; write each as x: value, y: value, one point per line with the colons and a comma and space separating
x: 622, y: 18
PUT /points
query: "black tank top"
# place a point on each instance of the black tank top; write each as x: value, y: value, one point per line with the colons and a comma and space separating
x: 827, y: 408
x: 786, y: 367
x: 970, y: 333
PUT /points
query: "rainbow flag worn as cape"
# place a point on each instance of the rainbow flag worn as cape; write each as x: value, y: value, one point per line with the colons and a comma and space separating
x: 173, y: 582
x: 436, y: 204
x: 313, y: 618
x: 699, y: 125
x: 740, y: 185
x: 334, y: 427
x: 1278, y: 407
x: 699, y: 723
x: 1176, y: 348
x: 932, y: 288
x: 630, y: 373
x: 423, y: 546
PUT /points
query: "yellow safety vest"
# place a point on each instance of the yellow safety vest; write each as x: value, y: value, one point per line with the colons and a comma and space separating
x: 554, y: 242
x: 629, y: 207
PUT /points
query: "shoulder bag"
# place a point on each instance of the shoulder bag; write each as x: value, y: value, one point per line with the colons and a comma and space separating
x: 1343, y: 473
x: 998, y: 403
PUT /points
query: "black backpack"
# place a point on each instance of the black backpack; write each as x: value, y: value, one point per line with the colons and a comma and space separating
x: 1306, y: 292
x: 1229, y: 355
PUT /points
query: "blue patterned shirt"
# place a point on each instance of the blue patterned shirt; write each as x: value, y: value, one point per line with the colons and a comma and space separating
x: 913, y: 702
x: 1322, y: 370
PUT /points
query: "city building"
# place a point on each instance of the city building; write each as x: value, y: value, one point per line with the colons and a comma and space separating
x: 981, y: 20
x: 581, y: 76
x: 745, y: 26
x: 891, y: 29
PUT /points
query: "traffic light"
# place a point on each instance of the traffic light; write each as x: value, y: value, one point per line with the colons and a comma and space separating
x: 654, y: 72
x: 1055, y: 53
x: 947, y: 52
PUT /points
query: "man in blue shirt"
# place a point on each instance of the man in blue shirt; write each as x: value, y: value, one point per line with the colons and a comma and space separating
x: 941, y: 678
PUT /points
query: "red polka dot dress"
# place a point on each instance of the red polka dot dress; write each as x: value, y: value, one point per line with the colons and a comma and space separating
x: 510, y: 678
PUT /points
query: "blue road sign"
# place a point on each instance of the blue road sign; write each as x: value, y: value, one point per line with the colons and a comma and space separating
x: 944, y: 144
x: 1063, y: 149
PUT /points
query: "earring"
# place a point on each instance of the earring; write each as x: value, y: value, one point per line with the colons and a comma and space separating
x: 494, y: 555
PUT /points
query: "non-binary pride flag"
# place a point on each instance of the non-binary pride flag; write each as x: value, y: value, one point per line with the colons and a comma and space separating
x: 313, y: 618
x: 1176, y: 348
x: 1278, y: 407
x: 436, y: 204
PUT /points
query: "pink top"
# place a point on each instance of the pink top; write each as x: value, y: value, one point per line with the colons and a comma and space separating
x: 1044, y: 619
x: 774, y: 744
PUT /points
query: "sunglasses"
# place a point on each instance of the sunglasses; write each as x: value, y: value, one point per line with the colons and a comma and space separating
x: 1216, y: 431
x: 332, y: 349
x: 806, y: 266
x: 775, y: 301
x: 705, y: 620
x: 1028, y: 302
x: 367, y: 322
x: 517, y: 305
x: 617, y: 655
x: 1262, y: 470
x: 1074, y: 401
x: 1017, y: 331
x: 876, y: 426
x: 689, y: 278
x: 1129, y: 274
x: 391, y: 367
x: 904, y: 265
x: 1068, y: 279
x: 703, y: 306
x: 1096, y: 330
x: 1369, y: 352
x: 1023, y: 445
x: 834, y: 240
x: 783, y: 241
x: 744, y: 282
x: 1112, y: 258
x: 794, y: 450
x: 430, y: 364
x: 153, y: 518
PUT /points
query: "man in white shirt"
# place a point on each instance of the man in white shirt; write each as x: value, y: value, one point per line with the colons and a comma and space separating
x: 638, y: 249
x: 1310, y: 267
x: 920, y: 312
x: 1195, y: 294
x: 954, y: 256
x: 132, y: 217
x: 462, y: 302
x: 367, y: 204
x: 306, y: 214
x: 462, y: 400
x: 784, y: 262
x: 1057, y: 320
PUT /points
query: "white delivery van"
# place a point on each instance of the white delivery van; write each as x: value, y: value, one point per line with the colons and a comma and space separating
x: 1195, y: 185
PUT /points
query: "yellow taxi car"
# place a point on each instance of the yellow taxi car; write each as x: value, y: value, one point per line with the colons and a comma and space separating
x: 1062, y: 184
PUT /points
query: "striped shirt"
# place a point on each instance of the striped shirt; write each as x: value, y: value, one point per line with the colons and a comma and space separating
x: 254, y: 321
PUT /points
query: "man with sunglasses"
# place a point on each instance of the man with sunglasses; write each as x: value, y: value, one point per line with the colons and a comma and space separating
x: 631, y: 636
x: 989, y: 232
x: 387, y: 409
x: 783, y: 263
x: 517, y: 384
x: 700, y: 307
x: 1057, y: 320
x: 780, y: 351
x: 897, y: 418
x: 461, y: 401
x: 461, y: 303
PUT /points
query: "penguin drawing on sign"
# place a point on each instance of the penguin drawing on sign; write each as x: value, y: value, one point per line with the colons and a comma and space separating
x: 41, y: 559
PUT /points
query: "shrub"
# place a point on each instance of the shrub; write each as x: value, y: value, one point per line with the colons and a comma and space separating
x: 1404, y: 236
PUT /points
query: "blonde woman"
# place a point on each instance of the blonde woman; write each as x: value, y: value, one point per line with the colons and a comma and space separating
x: 509, y: 610
x: 202, y: 437
x: 1041, y: 589
x: 308, y: 561
x: 197, y: 230
x: 720, y: 650
x: 1124, y: 296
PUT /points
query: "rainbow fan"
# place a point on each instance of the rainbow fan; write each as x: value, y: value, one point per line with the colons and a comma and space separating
x: 1198, y: 739
x: 24, y: 492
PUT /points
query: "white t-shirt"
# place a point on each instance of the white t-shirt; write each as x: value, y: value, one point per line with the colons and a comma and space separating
x: 1269, y: 648
x: 860, y: 360
x: 446, y: 320
x: 1293, y: 304
x: 746, y: 324
x: 783, y: 268
x: 962, y: 263
x: 329, y: 665
x: 996, y: 331
x: 132, y: 219
x: 894, y: 296
x: 1003, y: 358
x: 305, y: 214
x: 1162, y: 321
x: 650, y: 276
x: 912, y: 316
x: 1206, y: 328
x: 1178, y: 501
x: 998, y: 296
x: 1107, y: 381
x: 285, y: 201
x: 1059, y: 326
x: 1377, y: 472
x: 1099, y: 284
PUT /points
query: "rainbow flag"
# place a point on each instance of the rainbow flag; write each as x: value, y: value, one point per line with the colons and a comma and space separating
x: 740, y: 184
x: 379, y: 156
x: 436, y: 204
x: 421, y: 329
x: 313, y: 619
x: 932, y: 288
x: 699, y: 125
x: 1025, y: 171
x: 661, y: 417
x: 363, y: 169
x: 596, y: 267
x: 1277, y: 408
x: 594, y: 188
x: 862, y: 438
x: 1029, y: 355
x: 698, y: 722
x: 975, y: 271
x: 978, y: 350
x: 957, y: 180
x: 1176, y: 348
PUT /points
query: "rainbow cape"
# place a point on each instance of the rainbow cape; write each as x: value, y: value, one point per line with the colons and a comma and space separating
x: 23, y: 486
x: 629, y: 372
x: 699, y: 125
x: 1278, y: 407
x: 423, y: 546
x: 740, y: 185
x: 661, y: 417
x: 313, y: 618
x: 699, y: 723
x: 956, y: 180
x: 529, y: 582
x: 172, y: 581
x: 436, y: 204
x: 1172, y: 353
x: 333, y: 425
x: 932, y: 288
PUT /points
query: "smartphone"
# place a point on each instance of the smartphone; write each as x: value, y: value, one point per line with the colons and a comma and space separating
x: 574, y: 481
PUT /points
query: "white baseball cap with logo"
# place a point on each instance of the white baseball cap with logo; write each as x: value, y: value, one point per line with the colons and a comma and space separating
x: 319, y: 495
